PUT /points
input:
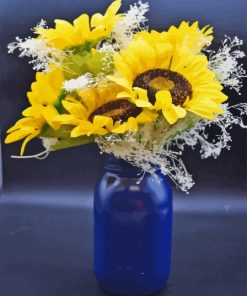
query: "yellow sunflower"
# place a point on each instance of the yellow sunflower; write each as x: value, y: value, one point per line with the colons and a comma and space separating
x: 44, y: 93
x: 158, y: 76
x: 187, y: 35
x: 97, y: 111
x: 67, y: 35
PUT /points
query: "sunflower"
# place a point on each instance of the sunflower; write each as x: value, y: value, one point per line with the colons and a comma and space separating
x: 67, y: 35
x: 98, y: 111
x: 43, y: 96
x: 158, y: 76
x: 187, y: 35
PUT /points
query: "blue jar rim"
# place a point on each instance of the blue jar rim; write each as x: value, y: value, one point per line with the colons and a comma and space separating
x: 114, y: 164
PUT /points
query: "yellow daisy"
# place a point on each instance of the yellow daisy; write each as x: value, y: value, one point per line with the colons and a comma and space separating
x: 187, y: 35
x: 43, y: 96
x: 149, y: 72
x: 67, y: 35
x: 99, y: 112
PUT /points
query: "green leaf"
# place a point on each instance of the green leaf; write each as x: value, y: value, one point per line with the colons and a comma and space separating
x: 63, y: 137
x: 181, y: 126
x: 79, y: 64
x: 64, y: 143
x: 94, y: 64
x: 63, y: 132
x: 58, y: 103
x: 81, y: 48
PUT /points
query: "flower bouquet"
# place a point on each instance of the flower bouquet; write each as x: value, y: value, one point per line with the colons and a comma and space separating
x: 141, y: 95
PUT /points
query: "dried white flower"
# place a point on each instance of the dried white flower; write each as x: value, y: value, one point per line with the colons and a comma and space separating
x: 40, y: 53
x: 48, y: 143
x: 108, y: 50
x: 212, y: 146
x: 81, y: 83
x: 42, y: 24
x: 133, y: 21
x: 134, y: 150
x: 156, y: 145
x: 224, y: 63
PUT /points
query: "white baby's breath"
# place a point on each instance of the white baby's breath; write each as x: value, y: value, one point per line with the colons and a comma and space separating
x: 42, y: 24
x: 81, y: 83
x: 225, y: 63
x: 40, y: 53
x: 156, y: 145
x: 107, y: 60
x: 134, y: 20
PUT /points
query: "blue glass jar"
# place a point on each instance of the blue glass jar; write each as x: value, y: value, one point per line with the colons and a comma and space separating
x: 132, y: 230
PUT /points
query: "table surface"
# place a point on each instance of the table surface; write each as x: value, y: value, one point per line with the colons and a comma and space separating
x: 46, y: 246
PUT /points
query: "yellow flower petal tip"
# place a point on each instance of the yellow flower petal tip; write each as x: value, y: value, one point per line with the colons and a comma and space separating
x: 83, y: 29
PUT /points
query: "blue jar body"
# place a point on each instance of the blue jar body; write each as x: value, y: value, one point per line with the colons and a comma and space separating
x: 132, y: 230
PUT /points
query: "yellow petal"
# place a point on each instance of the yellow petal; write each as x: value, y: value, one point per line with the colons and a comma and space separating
x: 120, y: 81
x: 142, y: 93
x: 63, y: 25
x: 82, y: 22
x: 66, y: 119
x: 123, y: 94
x: 33, y: 111
x: 146, y: 116
x: 46, y: 88
x: 20, y: 123
x: 170, y: 115
x: 87, y: 128
x: 201, y: 112
x: 28, y: 138
x: 132, y: 124
x: 123, y: 68
x: 100, y: 121
x: 142, y: 103
x: 49, y: 114
x: 163, y: 99
x: 114, y: 7
x: 96, y: 19
x: 181, y: 112
x: 75, y: 108
x: 122, y: 128
x: 17, y: 135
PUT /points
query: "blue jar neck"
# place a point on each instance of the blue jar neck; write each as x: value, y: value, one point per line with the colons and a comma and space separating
x: 121, y: 167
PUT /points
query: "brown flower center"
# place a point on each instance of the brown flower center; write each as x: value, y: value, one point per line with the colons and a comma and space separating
x: 160, y: 79
x: 118, y: 110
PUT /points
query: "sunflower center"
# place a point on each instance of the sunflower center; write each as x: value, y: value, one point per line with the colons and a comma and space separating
x: 160, y: 79
x: 161, y: 83
x: 118, y: 110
